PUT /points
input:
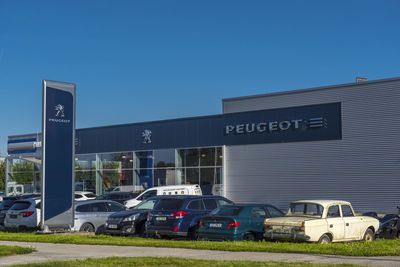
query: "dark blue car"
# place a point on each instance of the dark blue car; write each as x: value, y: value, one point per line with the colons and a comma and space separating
x: 179, y: 216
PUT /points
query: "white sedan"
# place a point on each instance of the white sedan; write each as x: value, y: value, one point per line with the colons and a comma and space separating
x: 321, y: 221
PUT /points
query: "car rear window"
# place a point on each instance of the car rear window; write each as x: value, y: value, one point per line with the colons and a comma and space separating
x: 21, y: 205
x: 306, y: 209
x: 90, y: 195
x: 78, y: 196
x: 169, y: 204
x: 227, y: 211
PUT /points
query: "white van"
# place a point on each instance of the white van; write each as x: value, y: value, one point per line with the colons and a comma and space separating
x: 169, y: 190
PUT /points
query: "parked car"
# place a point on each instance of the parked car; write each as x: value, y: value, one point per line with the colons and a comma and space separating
x: 23, y: 214
x: 9, y: 201
x: 389, y: 225
x: 90, y: 215
x: 132, y: 221
x: 321, y: 221
x: 84, y: 195
x: 171, y: 190
x: 179, y: 216
x: 119, y: 197
x: 237, y: 222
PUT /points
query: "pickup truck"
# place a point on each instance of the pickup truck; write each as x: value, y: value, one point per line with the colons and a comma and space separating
x: 321, y: 221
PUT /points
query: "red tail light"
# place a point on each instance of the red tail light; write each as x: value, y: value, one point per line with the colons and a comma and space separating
x: 233, y: 225
x: 26, y: 213
x: 176, y: 228
x: 179, y: 214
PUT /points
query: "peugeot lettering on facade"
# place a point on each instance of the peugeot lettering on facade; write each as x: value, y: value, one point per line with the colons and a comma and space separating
x: 276, y: 126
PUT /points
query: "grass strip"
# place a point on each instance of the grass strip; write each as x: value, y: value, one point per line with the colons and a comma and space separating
x: 376, y: 248
x: 14, y: 250
x: 170, y: 262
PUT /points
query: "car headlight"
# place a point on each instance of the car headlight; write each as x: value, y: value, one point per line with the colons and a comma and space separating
x: 131, y: 218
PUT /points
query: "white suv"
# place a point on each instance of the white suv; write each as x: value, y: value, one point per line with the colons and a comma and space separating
x: 23, y: 214
x: 169, y: 190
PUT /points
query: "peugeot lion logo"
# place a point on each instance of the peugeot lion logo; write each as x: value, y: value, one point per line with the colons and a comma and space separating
x: 146, y: 134
x: 60, y: 110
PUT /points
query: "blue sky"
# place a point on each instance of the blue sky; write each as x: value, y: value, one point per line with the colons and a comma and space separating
x: 148, y: 60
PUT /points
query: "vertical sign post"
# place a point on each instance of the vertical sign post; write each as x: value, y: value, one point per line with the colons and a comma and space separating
x: 58, y: 155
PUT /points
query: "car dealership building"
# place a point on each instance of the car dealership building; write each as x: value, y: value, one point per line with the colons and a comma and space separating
x: 333, y: 142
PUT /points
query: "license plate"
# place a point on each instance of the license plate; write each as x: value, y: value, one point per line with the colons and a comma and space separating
x: 112, y: 226
x: 161, y: 218
x: 13, y: 216
x: 215, y: 225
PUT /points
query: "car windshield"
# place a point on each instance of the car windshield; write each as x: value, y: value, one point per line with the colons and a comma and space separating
x: 227, y: 211
x: 169, y: 204
x: 305, y: 209
x: 146, y: 205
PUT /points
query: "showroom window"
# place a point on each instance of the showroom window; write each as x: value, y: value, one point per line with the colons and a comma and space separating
x: 201, y: 166
x: 116, y: 171
x: 139, y: 170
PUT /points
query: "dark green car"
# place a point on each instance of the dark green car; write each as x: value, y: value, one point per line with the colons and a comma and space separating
x: 237, y: 222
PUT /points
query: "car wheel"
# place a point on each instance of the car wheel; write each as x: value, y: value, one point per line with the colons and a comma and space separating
x: 141, y: 230
x: 249, y: 237
x: 193, y: 233
x: 324, y: 239
x: 369, y: 235
x: 87, y: 227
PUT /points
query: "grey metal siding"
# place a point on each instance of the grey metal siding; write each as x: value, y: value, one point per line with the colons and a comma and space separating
x: 363, y: 167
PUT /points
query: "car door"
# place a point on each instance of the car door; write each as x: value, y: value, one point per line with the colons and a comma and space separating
x: 335, y: 223
x: 99, y: 214
x: 256, y: 220
x: 353, y: 229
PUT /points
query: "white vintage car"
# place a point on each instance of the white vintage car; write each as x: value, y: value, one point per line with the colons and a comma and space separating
x: 321, y: 221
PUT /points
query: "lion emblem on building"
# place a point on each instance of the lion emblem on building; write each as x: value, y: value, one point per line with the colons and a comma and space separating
x: 146, y: 134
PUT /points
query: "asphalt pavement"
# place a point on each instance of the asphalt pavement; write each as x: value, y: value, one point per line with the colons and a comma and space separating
x: 51, y: 252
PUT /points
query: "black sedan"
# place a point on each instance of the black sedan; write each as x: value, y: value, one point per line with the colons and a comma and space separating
x: 130, y: 222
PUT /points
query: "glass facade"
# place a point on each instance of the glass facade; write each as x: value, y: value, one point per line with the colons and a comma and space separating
x: 136, y: 171
x: 23, y: 177
x: 132, y: 171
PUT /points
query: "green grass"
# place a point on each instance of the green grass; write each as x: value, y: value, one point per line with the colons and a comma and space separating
x: 169, y: 262
x: 13, y: 250
x: 376, y: 248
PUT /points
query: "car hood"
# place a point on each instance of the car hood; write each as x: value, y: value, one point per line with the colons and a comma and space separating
x: 289, y: 220
x: 127, y: 213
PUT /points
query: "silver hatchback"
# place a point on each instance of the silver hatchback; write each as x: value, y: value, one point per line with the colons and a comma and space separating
x: 90, y: 215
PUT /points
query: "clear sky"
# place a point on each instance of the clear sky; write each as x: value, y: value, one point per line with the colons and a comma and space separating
x: 147, y: 60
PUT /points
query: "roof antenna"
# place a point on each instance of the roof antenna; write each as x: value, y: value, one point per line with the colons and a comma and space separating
x: 361, y: 79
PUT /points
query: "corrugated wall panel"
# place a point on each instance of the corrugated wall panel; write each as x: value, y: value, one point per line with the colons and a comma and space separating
x: 363, y: 167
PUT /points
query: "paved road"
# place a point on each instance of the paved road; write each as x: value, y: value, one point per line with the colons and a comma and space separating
x: 47, y: 252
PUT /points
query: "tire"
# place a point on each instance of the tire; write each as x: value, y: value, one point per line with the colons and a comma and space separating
x: 193, y: 234
x: 87, y: 227
x: 141, y: 230
x: 324, y: 239
x: 249, y: 237
x: 369, y: 235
